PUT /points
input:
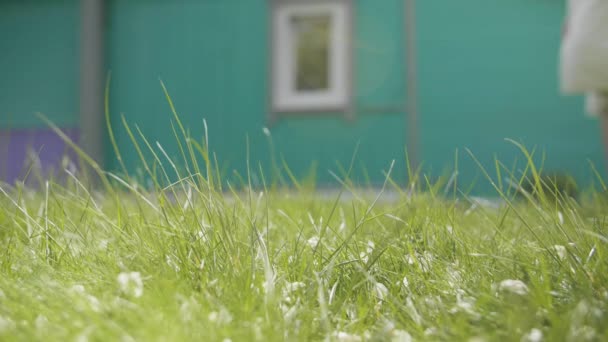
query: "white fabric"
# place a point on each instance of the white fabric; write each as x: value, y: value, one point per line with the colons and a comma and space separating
x: 596, y: 104
x: 584, y: 51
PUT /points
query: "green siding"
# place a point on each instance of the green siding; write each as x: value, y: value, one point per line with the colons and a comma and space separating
x: 213, y: 57
x: 488, y: 71
x: 39, y: 62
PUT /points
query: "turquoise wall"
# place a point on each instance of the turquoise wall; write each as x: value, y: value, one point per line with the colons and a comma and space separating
x: 213, y: 57
x: 488, y: 71
x: 39, y: 62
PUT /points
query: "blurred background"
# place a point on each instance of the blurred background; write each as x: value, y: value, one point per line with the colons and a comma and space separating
x: 303, y: 84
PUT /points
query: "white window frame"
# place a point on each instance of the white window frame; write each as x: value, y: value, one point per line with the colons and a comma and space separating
x: 285, y: 98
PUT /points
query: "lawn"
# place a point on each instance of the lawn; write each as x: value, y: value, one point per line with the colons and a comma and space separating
x: 98, y: 256
x: 192, y: 262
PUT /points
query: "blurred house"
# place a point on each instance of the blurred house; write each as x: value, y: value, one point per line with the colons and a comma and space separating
x: 328, y: 78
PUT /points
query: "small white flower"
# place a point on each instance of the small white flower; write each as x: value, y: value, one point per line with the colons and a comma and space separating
x: 41, y: 322
x: 401, y: 336
x: 450, y: 229
x: 535, y: 335
x: 380, y: 291
x: 405, y: 282
x: 513, y: 286
x: 346, y: 337
x: 313, y: 242
x: 131, y: 284
x: 94, y: 303
x: 221, y: 317
x: 370, y: 247
x: 364, y: 257
x: 77, y: 289
x: 103, y: 244
x: 291, y: 287
x: 6, y: 324
x: 561, y: 251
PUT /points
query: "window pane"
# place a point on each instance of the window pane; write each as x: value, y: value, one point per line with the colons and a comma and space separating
x: 311, y: 38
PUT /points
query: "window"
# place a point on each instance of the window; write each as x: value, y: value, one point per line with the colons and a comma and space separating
x: 311, y: 56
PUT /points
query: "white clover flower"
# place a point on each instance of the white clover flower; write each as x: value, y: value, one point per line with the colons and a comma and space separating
x: 401, y: 336
x: 513, y: 286
x: 6, y: 324
x: 131, y: 284
x: 450, y: 229
x: 364, y: 257
x: 290, y: 288
x: 313, y: 242
x: 103, y: 244
x: 41, y: 322
x: 342, y: 336
x: 535, y: 335
x: 561, y: 251
x: 221, y: 317
x: 370, y: 247
x: 380, y: 291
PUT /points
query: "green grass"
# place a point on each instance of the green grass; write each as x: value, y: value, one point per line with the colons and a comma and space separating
x: 292, y: 265
x: 98, y: 256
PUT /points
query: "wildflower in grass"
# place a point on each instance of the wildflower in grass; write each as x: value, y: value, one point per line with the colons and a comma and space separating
x: 313, y: 242
x: 380, y: 291
x: 131, y: 284
x: 513, y: 286
x: 364, y: 256
x: 77, y: 289
x: 289, y: 289
x: 187, y: 308
x: 405, y: 282
x: 450, y: 229
x: 220, y: 317
x: 465, y: 304
x: 342, y: 336
x: 560, y: 251
x: 92, y: 301
x: 401, y: 336
x: 41, y: 322
x: 6, y: 324
x: 535, y: 335
x: 583, y: 333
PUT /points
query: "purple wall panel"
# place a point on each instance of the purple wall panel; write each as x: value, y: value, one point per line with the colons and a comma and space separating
x: 17, y: 145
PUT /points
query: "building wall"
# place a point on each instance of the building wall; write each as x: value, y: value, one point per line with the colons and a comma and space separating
x: 488, y: 71
x: 38, y: 74
x: 213, y: 57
